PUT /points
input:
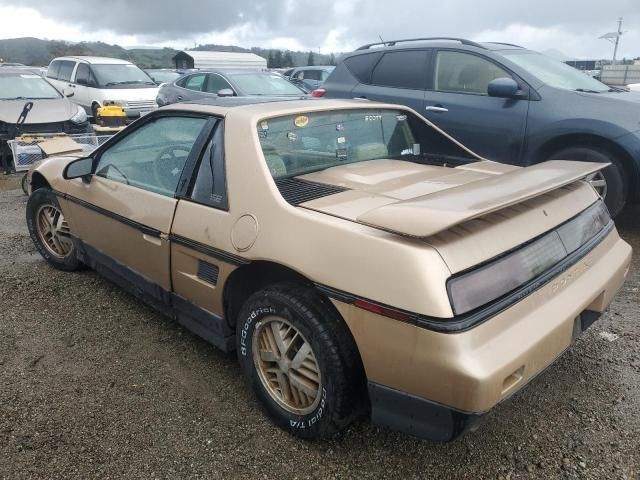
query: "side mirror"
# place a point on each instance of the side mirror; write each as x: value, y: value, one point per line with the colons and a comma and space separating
x: 226, y: 92
x: 81, y: 168
x: 69, y: 93
x: 503, y: 88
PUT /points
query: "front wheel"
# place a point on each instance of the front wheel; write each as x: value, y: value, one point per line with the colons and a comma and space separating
x: 300, y: 360
x: 50, y: 231
x: 610, y: 183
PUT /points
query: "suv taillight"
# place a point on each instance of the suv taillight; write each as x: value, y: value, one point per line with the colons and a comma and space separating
x: 318, y: 92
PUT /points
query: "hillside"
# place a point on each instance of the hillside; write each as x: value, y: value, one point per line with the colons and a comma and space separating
x: 34, y: 51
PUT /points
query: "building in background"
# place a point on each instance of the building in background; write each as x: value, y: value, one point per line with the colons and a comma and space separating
x: 193, y: 59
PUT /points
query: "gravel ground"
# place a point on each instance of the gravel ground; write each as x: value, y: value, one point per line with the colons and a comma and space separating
x: 94, y: 384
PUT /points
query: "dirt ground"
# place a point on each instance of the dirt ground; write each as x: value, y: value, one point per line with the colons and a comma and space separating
x: 93, y: 384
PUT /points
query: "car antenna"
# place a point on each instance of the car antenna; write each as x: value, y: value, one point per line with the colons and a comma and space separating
x: 23, y: 116
x: 380, y: 37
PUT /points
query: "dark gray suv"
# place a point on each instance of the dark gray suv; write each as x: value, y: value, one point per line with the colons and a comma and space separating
x: 505, y: 102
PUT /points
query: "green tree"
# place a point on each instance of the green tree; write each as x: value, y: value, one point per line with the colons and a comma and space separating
x: 58, y: 48
x: 287, y: 61
x: 311, y: 59
x: 277, y: 59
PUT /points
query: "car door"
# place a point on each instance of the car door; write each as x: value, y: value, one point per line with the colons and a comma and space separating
x: 52, y: 75
x: 459, y: 104
x: 124, y: 214
x: 65, y: 74
x: 399, y: 77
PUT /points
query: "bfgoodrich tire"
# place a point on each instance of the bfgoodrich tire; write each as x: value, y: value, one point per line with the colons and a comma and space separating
x: 615, y: 188
x: 50, y: 232
x: 300, y: 360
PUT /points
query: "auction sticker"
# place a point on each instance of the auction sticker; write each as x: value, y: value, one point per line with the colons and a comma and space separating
x: 301, y: 121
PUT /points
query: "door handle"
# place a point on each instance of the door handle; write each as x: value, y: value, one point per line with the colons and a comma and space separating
x: 72, y: 85
x: 179, y: 97
x: 436, y: 108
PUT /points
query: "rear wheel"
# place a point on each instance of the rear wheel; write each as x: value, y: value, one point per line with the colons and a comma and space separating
x: 50, y: 231
x: 610, y: 183
x: 300, y: 360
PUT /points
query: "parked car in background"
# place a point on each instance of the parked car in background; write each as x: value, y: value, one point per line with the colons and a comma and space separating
x: 227, y: 83
x: 309, y: 78
x: 356, y: 258
x: 31, y: 105
x: 506, y: 103
x: 99, y: 81
x: 634, y: 87
x: 163, y: 75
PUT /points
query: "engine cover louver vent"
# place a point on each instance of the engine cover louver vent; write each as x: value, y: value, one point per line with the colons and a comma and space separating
x: 208, y: 272
x: 296, y: 191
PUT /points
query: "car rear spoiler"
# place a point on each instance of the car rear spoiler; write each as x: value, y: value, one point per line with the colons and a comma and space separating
x: 431, y: 214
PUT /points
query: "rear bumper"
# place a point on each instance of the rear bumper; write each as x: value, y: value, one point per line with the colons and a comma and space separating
x: 470, y: 372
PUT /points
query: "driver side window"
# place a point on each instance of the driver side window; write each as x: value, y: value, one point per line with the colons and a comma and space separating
x: 153, y: 156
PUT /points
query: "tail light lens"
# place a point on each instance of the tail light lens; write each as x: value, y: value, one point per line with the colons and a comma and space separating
x: 318, y: 92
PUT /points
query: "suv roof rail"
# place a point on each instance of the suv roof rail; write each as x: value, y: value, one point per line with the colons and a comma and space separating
x: 391, y: 43
x: 506, y: 44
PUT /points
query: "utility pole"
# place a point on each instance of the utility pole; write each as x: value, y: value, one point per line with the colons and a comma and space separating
x: 614, y: 37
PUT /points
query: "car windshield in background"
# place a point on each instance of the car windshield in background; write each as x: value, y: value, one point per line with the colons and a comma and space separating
x: 163, y: 76
x: 555, y: 73
x: 125, y: 75
x: 264, y: 84
x: 26, y: 87
x: 305, y: 143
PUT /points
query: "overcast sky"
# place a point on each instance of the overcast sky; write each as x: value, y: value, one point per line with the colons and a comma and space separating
x: 570, y: 26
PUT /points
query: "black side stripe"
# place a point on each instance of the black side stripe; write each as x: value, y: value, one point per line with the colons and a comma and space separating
x: 143, y: 228
x: 208, y: 250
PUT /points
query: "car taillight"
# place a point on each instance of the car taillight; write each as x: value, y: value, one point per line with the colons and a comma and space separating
x: 318, y: 92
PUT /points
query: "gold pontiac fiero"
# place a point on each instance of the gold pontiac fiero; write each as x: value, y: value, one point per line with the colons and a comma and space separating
x: 358, y: 259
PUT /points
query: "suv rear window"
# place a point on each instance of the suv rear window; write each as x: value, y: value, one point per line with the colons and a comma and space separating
x: 361, y: 66
x: 406, y: 69
x: 303, y: 143
x: 66, y: 69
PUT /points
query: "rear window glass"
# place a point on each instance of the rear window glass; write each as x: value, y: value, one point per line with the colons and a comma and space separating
x: 303, y: 143
x: 401, y: 70
x: 53, y: 70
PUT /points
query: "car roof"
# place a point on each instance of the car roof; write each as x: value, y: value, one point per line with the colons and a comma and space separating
x: 95, y: 60
x: 226, y: 71
x: 315, y: 67
x: 274, y: 108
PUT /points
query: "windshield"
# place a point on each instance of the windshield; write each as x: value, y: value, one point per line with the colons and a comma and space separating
x: 109, y: 75
x: 298, y: 144
x: 555, y: 73
x: 264, y: 84
x: 26, y: 87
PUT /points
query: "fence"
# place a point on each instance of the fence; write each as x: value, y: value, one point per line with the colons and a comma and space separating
x: 620, y: 74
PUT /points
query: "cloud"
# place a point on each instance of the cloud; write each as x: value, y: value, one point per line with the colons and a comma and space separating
x: 571, y: 26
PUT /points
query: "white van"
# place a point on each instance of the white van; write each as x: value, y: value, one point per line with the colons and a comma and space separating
x: 92, y: 82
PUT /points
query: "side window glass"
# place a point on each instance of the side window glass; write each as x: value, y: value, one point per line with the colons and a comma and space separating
x: 53, y: 70
x: 216, y: 83
x: 210, y: 187
x: 195, y: 82
x: 361, y: 66
x: 153, y: 156
x: 406, y: 69
x: 66, y: 69
x: 459, y: 72
x: 82, y: 74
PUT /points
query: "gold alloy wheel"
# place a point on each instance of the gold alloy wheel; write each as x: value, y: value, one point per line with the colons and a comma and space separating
x: 286, y: 365
x: 53, y: 231
x: 598, y: 182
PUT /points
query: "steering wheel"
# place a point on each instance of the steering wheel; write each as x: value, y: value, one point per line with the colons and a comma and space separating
x: 168, y: 166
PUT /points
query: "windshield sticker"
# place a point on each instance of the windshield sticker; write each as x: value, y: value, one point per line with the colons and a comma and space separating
x: 342, y: 154
x: 301, y: 121
x: 292, y: 136
x: 264, y: 125
x: 342, y: 140
x: 340, y: 127
x: 372, y: 118
x: 401, y: 118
